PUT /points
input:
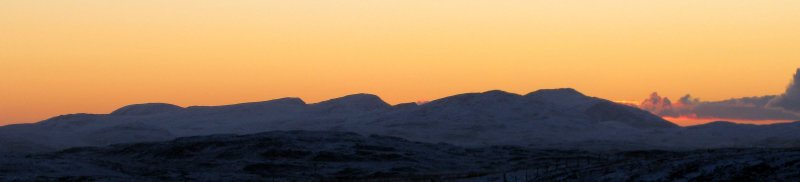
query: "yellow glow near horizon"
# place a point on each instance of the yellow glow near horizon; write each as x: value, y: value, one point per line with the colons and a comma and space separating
x: 59, y: 57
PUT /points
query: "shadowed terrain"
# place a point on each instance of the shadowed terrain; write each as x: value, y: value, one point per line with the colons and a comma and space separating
x: 344, y: 156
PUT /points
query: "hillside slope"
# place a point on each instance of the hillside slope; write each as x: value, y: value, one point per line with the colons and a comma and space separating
x: 346, y: 156
x: 551, y: 118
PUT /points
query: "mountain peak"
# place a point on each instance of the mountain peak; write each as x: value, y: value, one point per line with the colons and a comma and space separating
x: 499, y: 93
x: 280, y: 102
x: 360, y: 96
x: 146, y: 109
x: 288, y: 100
x: 555, y: 92
x: 362, y: 101
x: 492, y: 96
x: 564, y: 97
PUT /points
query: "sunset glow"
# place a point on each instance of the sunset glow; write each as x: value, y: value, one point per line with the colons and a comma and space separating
x: 399, y: 90
x: 689, y: 121
x: 93, y: 56
x: 629, y: 102
x: 694, y: 120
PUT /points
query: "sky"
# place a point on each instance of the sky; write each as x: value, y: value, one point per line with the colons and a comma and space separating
x: 78, y: 56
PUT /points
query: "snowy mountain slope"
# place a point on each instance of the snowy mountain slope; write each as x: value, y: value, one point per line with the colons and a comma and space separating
x: 727, y: 134
x: 497, y: 117
x: 729, y: 164
x: 553, y: 118
x: 347, y: 156
x: 281, y: 155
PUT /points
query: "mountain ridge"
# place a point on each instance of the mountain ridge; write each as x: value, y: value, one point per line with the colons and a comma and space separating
x: 543, y: 118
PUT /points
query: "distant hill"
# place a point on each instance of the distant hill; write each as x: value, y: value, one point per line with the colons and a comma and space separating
x: 550, y: 118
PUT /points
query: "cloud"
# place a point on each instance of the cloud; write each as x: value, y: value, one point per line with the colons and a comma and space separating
x: 748, y: 108
x: 791, y: 99
x: 688, y: 100
x: 656, y: 104
x: 771, y: 107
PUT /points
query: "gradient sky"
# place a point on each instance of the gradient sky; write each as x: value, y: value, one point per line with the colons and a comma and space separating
x: 59, y: 57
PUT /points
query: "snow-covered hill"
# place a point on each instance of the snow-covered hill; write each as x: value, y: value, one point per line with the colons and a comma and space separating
x: 552, y: 118
x: 281, y: 155
x: 347, y: 156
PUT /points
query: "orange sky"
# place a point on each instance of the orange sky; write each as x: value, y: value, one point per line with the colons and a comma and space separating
x: 59, y: 57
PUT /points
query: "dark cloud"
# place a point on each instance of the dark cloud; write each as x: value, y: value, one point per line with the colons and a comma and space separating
x: 771, y: 107
x: 688, y: 100
x: 791, y: 99
x: 749, y: 108
x: 656, y: 104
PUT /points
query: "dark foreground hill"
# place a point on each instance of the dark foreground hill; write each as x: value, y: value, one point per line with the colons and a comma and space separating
x: 345, y: 156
